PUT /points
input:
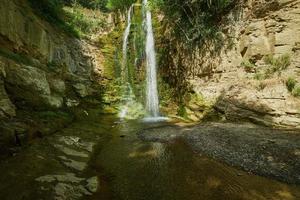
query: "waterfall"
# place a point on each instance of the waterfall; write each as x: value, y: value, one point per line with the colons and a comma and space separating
x: 152, y: 104
x: 124, y: 73
x: 125, y: 43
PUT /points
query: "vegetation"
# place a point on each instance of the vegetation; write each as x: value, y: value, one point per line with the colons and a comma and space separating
x: 194, y: 20
x: 248, y: 66
x: 293, y: 87
x: 291, y: 83
x: 277, y: 64
x: 75, y: 21
x: 273, y: 65
x: 296, y: 91
x: 122, y: 5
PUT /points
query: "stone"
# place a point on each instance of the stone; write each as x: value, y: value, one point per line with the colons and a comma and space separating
x: 7, y: 108
x: 71, y: 152
x: 29, y: 84
x: 72, y: 103
x: 28, y: 78
x: 65, y: 191
x: 66, y: 178
x: 92, y: 184
x: 73, y: 164
x: 53, y: 101
x: 58, y: 86
x: 81, y: 89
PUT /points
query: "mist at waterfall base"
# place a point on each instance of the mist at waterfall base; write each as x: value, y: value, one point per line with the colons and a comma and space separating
x: 152, y: 101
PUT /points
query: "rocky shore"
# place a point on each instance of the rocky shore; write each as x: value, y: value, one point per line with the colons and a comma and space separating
x: 267, y: 152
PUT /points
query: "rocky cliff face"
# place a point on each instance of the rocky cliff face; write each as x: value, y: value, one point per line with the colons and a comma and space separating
x: 40, y: 67
x: 245, y: 78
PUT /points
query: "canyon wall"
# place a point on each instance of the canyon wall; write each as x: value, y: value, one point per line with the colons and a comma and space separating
x: 41, y: 67
x: 235, y: 75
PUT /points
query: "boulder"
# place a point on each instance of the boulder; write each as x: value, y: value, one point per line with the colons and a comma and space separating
x: 29, y: 85
x: 7, y: 108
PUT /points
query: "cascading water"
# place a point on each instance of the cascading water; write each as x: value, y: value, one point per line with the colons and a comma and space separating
x: 128, y: 93
x: 152, y: 104
x: 125, y: 43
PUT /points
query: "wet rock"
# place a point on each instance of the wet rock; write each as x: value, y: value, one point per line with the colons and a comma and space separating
x: 7, y: 108
x: 76, y: 141
x: 66, y: 178
x: 73, y: 164
x: 29, y: 84
x: 92, y: 184
x: 58, y: 86
x: 72, y: 103
x: 65, y: 191
x: 71, y: 152
x: 81, y: 89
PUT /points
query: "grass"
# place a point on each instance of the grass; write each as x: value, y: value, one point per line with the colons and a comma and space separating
x: 273, y: 65
x: 296, y: 91
x: 248, y: 66
x: 292, y: 86
x: 277, y: 64
x: 291, y: 83
x: 260, y: 76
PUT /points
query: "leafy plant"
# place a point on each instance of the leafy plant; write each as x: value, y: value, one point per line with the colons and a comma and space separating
x: 291, y: 83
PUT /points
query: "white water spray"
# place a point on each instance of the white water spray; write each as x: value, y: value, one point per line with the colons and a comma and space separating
x: 152, y: 104
x: 125, y: 43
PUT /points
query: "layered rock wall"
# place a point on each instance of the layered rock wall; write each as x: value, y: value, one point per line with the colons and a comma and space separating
x: 219, y: 72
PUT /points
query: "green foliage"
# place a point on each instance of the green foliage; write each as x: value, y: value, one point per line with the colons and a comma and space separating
x: 73, y: 21
x: 122, y: 5
x: 296, y: 91
x: 248, y: 66
x: 194, y: 20
x: 51, y: 11
x: 292, y: 86
x: 182, y: 111
x: 291, y: 83
x: 81, y: 22
x: 260, y: 76
x: 277, y: 64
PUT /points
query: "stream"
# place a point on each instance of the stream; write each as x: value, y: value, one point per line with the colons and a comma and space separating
x: 101, y: 157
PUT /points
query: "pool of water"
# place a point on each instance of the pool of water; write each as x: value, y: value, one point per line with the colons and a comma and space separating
x: 127, y: 168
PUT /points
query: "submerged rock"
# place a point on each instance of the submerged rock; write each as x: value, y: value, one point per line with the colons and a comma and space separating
x: 65, y: 191
x: 92, y: 184
x: 73, y: 164
x: 66, y: 178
